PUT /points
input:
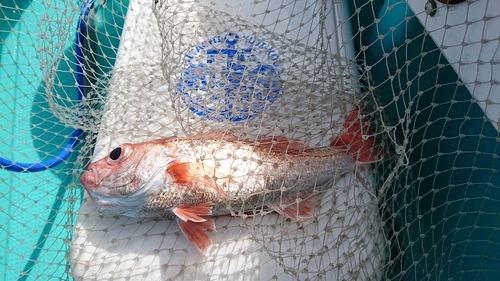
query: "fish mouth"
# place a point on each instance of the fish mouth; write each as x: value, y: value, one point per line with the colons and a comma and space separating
x: 89, y: 179
x: 92, y: 181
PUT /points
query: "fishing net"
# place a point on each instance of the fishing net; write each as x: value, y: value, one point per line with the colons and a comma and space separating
x: 79, y: 78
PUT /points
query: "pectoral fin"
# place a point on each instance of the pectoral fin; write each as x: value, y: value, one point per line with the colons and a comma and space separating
x: 197, y: 173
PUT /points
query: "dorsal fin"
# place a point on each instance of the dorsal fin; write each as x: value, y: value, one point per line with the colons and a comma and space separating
x: 283, y: 144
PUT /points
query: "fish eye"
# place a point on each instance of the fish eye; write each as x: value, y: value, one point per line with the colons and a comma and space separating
x: 115, y: 153
x: 119, y: 154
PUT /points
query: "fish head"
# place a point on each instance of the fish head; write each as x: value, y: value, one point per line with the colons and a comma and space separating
x: 115, y: 174
x: 128, y: 176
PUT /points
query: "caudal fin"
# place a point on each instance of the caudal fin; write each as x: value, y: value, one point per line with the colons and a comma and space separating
x: 359, y: 139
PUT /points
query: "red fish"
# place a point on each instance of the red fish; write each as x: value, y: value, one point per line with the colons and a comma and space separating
x: 192, y: 180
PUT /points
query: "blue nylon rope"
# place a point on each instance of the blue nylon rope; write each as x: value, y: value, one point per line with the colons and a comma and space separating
x: 73, y: 140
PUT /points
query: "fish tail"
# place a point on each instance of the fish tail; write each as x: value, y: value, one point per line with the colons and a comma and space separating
x: 358, y: 138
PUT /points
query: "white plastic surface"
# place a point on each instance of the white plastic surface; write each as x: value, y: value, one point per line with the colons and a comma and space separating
x: 468, y: 35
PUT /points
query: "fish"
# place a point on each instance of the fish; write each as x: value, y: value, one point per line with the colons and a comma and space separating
x: 193, y: 180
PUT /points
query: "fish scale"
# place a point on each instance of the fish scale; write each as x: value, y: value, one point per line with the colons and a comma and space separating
x: 261, y: 180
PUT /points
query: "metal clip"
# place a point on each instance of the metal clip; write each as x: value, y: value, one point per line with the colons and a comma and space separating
x: 430, y: 7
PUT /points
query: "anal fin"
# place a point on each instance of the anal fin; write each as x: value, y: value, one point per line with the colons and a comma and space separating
x: 296, y: 208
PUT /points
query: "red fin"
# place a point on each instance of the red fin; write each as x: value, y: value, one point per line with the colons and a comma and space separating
x: 282, y: 144
x: 295, y: 208
x: 366, y: 150
x: 195, y: 232
x: 180, y: 171
x: 193, y: 173
x: 194, y: 213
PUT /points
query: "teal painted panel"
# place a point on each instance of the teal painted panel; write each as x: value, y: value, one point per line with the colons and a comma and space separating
x: 453, y: 181
x: 37, y: 210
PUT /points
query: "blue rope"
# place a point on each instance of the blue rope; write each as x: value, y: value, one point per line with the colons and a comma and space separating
x: 81, y: 30
x: 73, y: 140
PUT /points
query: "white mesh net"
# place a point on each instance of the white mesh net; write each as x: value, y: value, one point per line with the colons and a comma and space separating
x: 412, y: 81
